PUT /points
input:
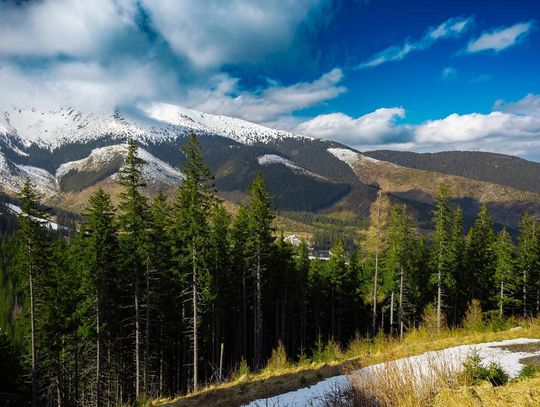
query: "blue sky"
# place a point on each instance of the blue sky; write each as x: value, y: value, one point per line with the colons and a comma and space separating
x: 410, y: 75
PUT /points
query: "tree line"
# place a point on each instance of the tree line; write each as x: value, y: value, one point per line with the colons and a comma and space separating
x: 158, y: 297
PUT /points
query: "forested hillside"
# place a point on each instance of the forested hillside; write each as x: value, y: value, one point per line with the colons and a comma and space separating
x: 500, y: 169
x: 155, y: 297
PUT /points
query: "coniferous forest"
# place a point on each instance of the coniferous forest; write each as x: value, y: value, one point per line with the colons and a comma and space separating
x: 161, y: 297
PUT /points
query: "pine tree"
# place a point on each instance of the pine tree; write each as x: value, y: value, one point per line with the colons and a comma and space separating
x: 33, y: 261
x: 399, y: 261
x: 259, y: 245
x: 101, y: 245
x: 196, y: 197
x: 134, y: 224
x: 504, y: 268
x: 442, y: 244
x: 528, y: 261
x: 480, y: 259
x: 375, y: 246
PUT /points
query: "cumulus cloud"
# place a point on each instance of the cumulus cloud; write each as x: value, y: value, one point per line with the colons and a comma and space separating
x: 512, y: 128
x: 104, y: 53
x: 268, y: 105
x: 500, y: 38
x: 452, y: 28
x: 213, y: 33
x: 375, y: 127
x: 72, y: 28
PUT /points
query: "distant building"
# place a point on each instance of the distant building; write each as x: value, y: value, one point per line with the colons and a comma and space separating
x: 294, y: 240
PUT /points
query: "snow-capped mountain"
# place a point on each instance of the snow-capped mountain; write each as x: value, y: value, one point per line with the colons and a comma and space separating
x: 69, y: 152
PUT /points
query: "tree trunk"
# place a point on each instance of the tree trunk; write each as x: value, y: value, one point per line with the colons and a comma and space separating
x: 439, y: 299
x: 99, y: 353
x: 392, y: 314
x: 195, y: 321
x: 502, y: 299
x: 33, y: 340
x: 221, y: 352
x: 147, y: 327
x: 258, y: 312
x: 525, y: 293
x: 137, y: 338
x: 400, y: 316
x: 376, y: 276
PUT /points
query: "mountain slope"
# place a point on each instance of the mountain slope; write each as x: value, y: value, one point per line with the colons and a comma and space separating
x: 70, y: 153
x: 490, y: 167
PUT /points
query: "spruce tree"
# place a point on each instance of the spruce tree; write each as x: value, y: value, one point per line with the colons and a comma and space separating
x: 375, y: 245
x: 528, y: 261
x: 133, y: 221
x: 480, y: 259
x: 260, y: 244
x: 196, y: 197
x: 99, y: 280
x: 505, y: 278
x: 442, y: 243
x: 32, y: 260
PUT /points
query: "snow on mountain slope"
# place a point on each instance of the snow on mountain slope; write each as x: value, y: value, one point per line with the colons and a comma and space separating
x: 350, y: 157
x: 151, y: 123
x: 239, y: 130
x: 269, y: 159
x: 52, y: 129
x: 154, y: 170
x: 13, y: 176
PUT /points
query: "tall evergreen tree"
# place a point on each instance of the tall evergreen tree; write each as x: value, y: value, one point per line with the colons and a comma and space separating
x: 196, y: 197
x: 134, y: 224
x: 480, y: 259
x: 375, y: 246
x: 260, y: 244
x: 528, y: 262
x: 99, y: 280
x: 32, y: 260
x: 505, y: 277
x: 442, y: 254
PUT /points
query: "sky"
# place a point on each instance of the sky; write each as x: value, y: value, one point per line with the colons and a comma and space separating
x: 412, y: 75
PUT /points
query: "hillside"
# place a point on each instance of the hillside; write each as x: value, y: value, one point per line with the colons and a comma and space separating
x: 69, y: 153
x: 500, y: 169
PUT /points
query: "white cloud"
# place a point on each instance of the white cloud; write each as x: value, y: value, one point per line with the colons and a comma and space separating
x: 69, y: 27
x: 451, y: 28
x: 500, y: 38
x: 84, y: 84
x: 373, y: 127
x: 268, y: 105
x: 215, y: 32
x: 529, y: 105
x: 512, y: 128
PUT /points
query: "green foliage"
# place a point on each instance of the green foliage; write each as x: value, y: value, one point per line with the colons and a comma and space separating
x: 475, y: 372
x: 528, y: 372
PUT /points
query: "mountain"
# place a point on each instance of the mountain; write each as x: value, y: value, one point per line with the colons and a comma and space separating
x: 490, y: 167
x: 70, y: 152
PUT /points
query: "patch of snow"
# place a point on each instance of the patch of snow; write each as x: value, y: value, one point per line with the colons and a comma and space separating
x: 46, y: 223
x: 13, y: 176
x: 424, y: 363
x: 269, y: 159
x: 344, y: 154
x: 154, y: 169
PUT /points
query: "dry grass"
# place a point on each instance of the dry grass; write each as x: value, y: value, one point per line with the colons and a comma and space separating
x: 524, y: 393
x: 360, y: 352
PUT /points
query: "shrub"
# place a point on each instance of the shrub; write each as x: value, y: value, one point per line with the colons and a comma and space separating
x: 429, y: 319
x: 528, y: 372
x: 473, y: 317
x: 278, y: 359
x: 474, y: 372
x: 242, y: 372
